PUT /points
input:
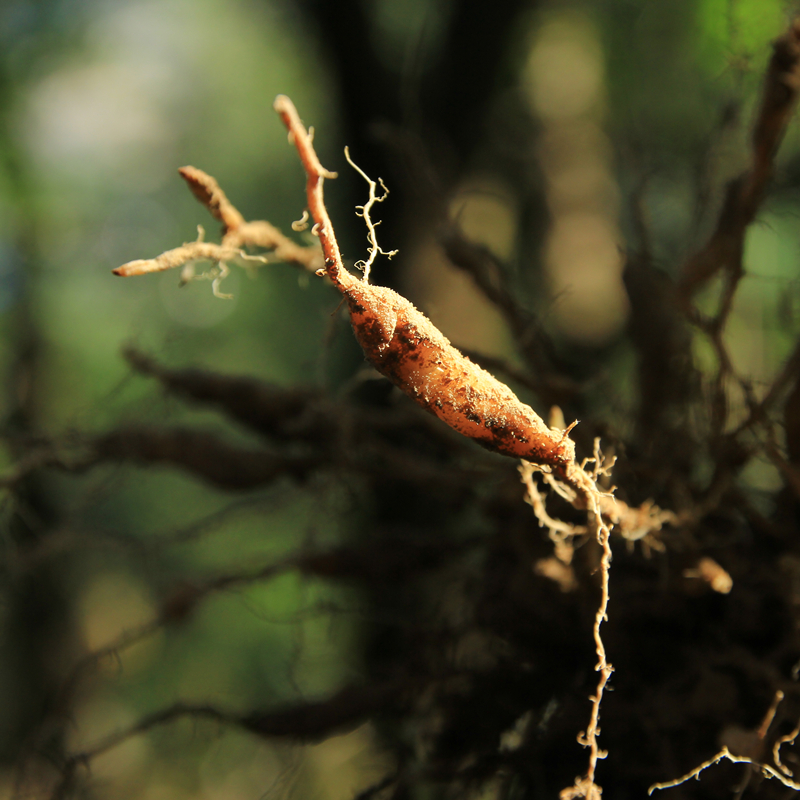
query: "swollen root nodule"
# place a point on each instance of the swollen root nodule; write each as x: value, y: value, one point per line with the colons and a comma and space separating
x: 403, y: 344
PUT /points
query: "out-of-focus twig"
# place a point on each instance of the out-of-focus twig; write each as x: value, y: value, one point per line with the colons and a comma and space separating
x: 744, y: 195
x: 724, y: 251
x: 300, y: 722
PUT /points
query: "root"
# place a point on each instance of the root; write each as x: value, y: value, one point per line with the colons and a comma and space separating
x: 238, y: 234
x: 364, y: 213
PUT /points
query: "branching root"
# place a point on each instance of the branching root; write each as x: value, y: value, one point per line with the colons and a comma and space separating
x: 580, y: 489
x: 237, y: 234
x: 364, y: 213
x: 765, y: 769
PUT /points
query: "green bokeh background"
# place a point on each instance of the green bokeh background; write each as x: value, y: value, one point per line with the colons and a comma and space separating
x: 101, y: 102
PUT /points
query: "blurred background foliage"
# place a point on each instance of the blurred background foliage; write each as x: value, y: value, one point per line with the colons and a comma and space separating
x: 560, y: 134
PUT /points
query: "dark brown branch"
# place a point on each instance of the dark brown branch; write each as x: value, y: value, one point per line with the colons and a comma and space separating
x: 203, y: 454
x: 377, y: 788
x: 668, y: 382
x: 300, y: 722
x: 744, y: 195
x: 373, y: 564
x: 282, y: 414
x: 313, y: 721
x: 84, y: 758
x: 723, y: 252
